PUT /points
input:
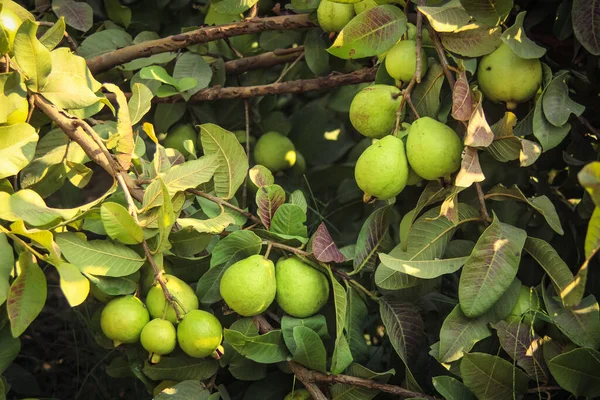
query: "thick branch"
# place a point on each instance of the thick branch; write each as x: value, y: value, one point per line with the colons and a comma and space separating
x: 202, y: 35
x: 264, y: 60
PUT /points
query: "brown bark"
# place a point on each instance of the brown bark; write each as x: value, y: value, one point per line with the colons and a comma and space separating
x: 264, y: 60
x: 202, y: 35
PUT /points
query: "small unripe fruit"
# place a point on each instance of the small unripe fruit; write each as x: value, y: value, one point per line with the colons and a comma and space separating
x: 382, y: 170
x: 401, y: 61
x: 433, y: 149
x: 333, y: 17
x: 178, y: 135
x: 199, y: 334
x: 275, y: 151
x: 301, y: 290
x: 248, y: 286
x: 505, y: 77
x: 373, y: 110
x: 185, y: 295
x: 123, y: 319
x: 159, y: 337
x: 299, y: 394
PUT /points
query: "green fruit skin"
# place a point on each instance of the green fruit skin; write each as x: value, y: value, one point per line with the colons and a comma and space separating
x: 401, y: 60
x: 275, y: 151
x: 159, y: 337
x: 248, y: 286
x: 412, y: 35
x: 10, y: 22
x: 373, y: 110
x: 433, y: 149
x: 301, y: 290
x: 156, y: 302
x: 528, y: 301
x: 300, y: 394
x: 199, y: 334
x: 333, y: 17
x: 505, y: 77
x: 382, y: 169
x: 180, y: 134
x: 123, y: 319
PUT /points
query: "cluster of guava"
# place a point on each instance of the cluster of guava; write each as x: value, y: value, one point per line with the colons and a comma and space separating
x: 249, y: 286
x: 126, y: 319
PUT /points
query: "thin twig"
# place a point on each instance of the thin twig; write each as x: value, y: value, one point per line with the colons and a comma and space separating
x: 481, y: 197
x: 264, y: 60
x: 442, y: 56
x: 247, y: 116
x: 289, y: 68
x: 225, y: 203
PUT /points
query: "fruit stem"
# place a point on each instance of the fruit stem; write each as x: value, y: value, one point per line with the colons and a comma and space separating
x: 154, y: 358
x: 269, y: 246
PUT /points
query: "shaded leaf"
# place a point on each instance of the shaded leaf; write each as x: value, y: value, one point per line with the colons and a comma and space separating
x: 472, y: 40
x: 370, y: 238
x: 488, y: 12
x: 9, y: 348
x: 491, y: 377
x: 426, y: 95
x: 577, y: 372
x: 446, y: 18
x: 424, y: 269
x: 451, y: 388
x: 557, y: 104
x: 265, y: 349
x: 186, y: 390
x: 191, y: 65
x: 323, y: 246
x: 404, y: 325
x: 181, y: 368
x: 547, y: 134
x: 78, y: 15
x: 586, y: 24
x: 459, y: 334
x: 356, y: 315
x: 316, y: 323
x: 348, y: 392
x: 309, y: 350
x: 515, y: 38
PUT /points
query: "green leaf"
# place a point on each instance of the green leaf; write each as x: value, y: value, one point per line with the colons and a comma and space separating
x: 557, y: 104
x: 547, y: 134
x: 577, y: 372
x: 191, y: 65
x: 297, y: 198
x: 404, y: 325
x: 446, y: 18
x: 17, y: 148
x: 118, y: 13
x: 288, y: 222
x: 233, y: 164
x: 181, y: 368
x: 73, y: 284
x: 103, y: 42
x: 450, y: 388
x: 315, y: 52
x: 491, y: 268
x: 426, y: 96
x: 356, y: 316
x: 166, y: 220
x: 28, y: 206
x: 370, y: 33
x: 580, y: 323
x: 341, y: 354
x: 98, y: 257
x: 119, y: 224
x: 488, y: 12
x: 586, y: 24
x: 233, y: 6
x: 9, y: 348
x: 459, y: 334
x: 372, y: 237
x: 515, y: 38
x: 317, y: 323
x: 341, y: 391
x: 268, y: 199
x: 424, y: 269
x: 140, y: 102
x: 472, y: 40
x: 589, y: 178
x: 491, y: 377
x: 27, y: 294
x: 212, y: 225
x: 309, y: 350
x: 32, y: 56
x: 78, y: 15
x: 53, y: 36
x: 186, y: 390
x: 265, y: 349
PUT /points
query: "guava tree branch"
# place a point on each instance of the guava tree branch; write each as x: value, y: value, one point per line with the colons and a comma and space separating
x: 202, y: 35
x: 264, y: 60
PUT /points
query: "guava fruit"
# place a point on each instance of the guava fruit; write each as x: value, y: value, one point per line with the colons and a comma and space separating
x: 433, y: 149
x: 401, y: 60
x: 248, y: 286
x: 159, y: 337
x: 301, y: 290
x: 275, y: 151
x: 382, y: 170
x: 10, y: 22
x: 299, y: 167
x: 333, y: 17
x: 527, y: 302
x: 373, y: 110
x: 299, y: 394
x: 180, y: 134
x: 199, y: 333
x: 505, y: 77
x: 123, y: 319
x: 185, y: 295
x: 413, y: 177
x: 412, y: 35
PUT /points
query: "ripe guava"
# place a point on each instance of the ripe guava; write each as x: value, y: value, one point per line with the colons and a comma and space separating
x: 248, y: 286
x: 333, y: 17
x: 373, y: 110
x: 299, y: 394
x: 185, y: 295
x: 382, y: 170
x: 527, y: 302
x: 10, y: 22
x: 504, y: 76
x: 275, y: 151
x: 159, y: 338
x: 401, y: 60
x: 180, y: 134
x: 301, y: 290
x: 123, y: 319
x: 199, y: 333
x: 433, y: 149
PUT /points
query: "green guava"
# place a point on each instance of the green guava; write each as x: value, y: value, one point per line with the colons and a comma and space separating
x: 301, y: 290
x: 401, y: 60
x: 299, y: 167
x: 199, y: 334
x: 248, y: 286
x: 123, y: 319
x: 433, y: 149
x: 333, y: 17
x: 275, y: 151
x: 413, y: 177
x: 180, y: 134
x: 159, y: 337
x: 505, y: 77
x: 523, y: 311
x: 382, y: 170
x: 373, y: 110
x: 10, y: 22
x: 185, y: 295
x: 412, y: 35
x: 299, y: 394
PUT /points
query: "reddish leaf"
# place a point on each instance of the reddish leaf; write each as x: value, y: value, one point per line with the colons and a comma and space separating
x: 462, y: 102
x: 470, y: 170
x: 404, y: 325
x: 268, y: 199
x: 261, y: 176
x: 323, y: 246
